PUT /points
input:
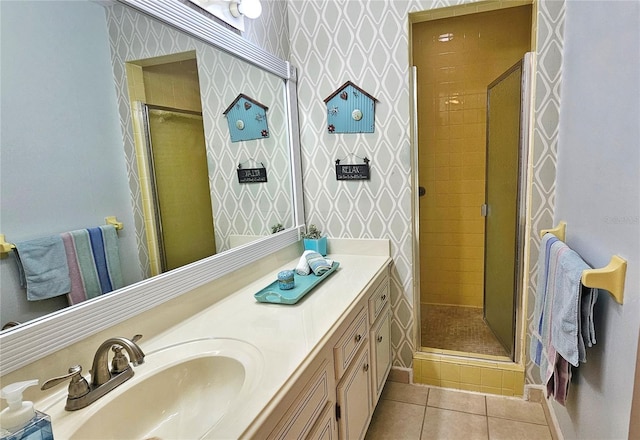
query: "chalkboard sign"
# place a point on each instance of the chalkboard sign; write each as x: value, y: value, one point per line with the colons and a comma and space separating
x: 353, y: 172
x: 252, y: 175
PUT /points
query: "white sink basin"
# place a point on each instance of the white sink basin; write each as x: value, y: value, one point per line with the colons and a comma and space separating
x: 180, y: 392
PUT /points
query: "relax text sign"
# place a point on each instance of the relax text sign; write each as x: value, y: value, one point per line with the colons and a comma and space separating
x: 252, y: 175
x: 352, y: 172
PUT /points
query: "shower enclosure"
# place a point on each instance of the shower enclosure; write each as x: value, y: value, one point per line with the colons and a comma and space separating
x: 471, y: 171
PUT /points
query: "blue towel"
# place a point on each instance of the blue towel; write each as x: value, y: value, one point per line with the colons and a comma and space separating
x: 566, y: 329
x: 317, y: 263
x: 43, y: 269
x: 86, y: 263
x: 536, y: 345
x: 100, y: 259
x: 112, y: 255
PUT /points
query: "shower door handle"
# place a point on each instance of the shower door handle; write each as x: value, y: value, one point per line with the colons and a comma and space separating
x: 421, y: 191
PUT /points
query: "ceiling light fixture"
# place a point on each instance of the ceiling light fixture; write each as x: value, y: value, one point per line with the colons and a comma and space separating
x: 232, y: 12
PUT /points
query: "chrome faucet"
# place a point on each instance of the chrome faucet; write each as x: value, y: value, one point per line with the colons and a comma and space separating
x: 103, y: 378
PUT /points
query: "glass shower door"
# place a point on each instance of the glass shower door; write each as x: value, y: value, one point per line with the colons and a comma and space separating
x: 502, y: 201
x: 184, y: 218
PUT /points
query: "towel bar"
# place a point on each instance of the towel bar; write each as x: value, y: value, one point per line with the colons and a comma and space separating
x: 114, y: 221
x: 610, y: 278
x: 5, y: 247
x: 559, y: 231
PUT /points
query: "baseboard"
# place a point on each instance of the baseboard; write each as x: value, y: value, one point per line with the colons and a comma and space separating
x: 400, y: 374
x: 536, y: 393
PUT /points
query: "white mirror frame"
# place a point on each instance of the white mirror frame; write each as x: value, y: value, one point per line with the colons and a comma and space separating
x: 27, y: 343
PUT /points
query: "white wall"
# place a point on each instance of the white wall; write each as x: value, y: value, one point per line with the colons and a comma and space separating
x: 598, y: 194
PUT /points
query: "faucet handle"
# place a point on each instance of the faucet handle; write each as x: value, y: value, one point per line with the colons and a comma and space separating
x: 120, y: 362
x: 78, y: 386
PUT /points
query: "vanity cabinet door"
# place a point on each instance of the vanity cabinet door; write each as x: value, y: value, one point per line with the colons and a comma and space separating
x: 325, y: 427
x: 305, y: 411
x: 354, y: 399
x: 380, y: 353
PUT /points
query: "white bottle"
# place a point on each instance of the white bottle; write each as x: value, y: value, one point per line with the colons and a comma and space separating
x: 18, y: 413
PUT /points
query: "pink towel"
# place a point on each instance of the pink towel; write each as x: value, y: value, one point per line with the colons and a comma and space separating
x: 558, y: 384
x: 78, y: 293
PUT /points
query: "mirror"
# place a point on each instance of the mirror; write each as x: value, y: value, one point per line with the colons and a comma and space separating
x: 69, y: 151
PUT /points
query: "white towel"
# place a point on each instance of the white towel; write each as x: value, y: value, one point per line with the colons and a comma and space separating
x: 303, y: 267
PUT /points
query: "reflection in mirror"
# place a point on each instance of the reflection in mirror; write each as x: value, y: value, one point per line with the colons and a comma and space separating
x: 77, y: 79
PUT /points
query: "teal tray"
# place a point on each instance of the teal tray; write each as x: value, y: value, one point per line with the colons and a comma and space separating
x: 303, y: 285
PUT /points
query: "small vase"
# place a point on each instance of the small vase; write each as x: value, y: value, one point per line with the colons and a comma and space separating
x: 316, y: 244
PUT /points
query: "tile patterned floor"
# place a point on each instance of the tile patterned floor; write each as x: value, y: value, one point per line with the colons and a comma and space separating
x: 459, y: 329
x: 407, y: 412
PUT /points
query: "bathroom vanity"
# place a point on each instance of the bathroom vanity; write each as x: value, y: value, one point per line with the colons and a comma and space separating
x: 314, y: 369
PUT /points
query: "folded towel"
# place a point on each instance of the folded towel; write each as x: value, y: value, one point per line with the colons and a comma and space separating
x: 43, y: 269
x: 112, y: 254
x: 95, y: 255
x: 558, y: 385
x: 77, y: 293
x: 589, y: 298
x: 303, y: 268
x: 536, y: 345
x: 566, y: 330
x: 317, y: 263
x: 86, y: 263
x: 548, y: 358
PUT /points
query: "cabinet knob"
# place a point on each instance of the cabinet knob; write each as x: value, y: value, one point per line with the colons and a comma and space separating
x: 358, y: 338
x: 380, y: 338
x: 366, y: 367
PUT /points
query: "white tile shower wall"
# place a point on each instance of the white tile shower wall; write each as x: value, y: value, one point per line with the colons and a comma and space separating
x: 239, y: 210
x: 367, y: 42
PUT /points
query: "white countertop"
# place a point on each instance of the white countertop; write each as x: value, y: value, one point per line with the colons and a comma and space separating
x: 285, y: 335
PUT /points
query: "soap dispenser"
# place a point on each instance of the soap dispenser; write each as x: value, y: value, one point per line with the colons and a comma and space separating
x: 20, y: 421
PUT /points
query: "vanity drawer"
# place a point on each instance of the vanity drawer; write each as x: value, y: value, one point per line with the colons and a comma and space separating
x: 379, y: 299
x: 353, y: 338
x: 305, y: 410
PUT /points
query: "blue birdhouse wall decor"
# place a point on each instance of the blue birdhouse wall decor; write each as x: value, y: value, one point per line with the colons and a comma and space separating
x: 350, y: 110
x: 247, y: 119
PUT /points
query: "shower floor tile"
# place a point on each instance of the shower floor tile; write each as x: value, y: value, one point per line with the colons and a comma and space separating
x: 458, y: 329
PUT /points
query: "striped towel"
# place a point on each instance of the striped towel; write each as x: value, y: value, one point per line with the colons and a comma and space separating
x: 94, y: 262
x: 318, y: 263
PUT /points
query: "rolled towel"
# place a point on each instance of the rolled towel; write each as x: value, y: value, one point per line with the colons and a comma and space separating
x: 303, y: 265
x: 318, y: 263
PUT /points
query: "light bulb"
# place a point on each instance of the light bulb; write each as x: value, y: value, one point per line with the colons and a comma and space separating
x: 248, y: 8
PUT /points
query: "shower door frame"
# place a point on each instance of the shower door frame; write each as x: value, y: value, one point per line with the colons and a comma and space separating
x: 525, y: 65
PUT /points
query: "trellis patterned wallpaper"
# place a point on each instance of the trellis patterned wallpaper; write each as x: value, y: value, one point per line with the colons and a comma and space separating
x: 367, y: 42
x: 248, y: 209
